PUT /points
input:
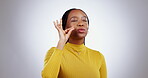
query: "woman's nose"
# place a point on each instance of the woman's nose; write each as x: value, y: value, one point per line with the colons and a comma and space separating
x: 80, y: 24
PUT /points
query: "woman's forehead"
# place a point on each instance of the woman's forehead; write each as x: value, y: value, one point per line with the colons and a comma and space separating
x: 76, y: 13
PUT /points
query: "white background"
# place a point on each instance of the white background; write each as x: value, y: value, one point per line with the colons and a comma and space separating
x: 118, y: 29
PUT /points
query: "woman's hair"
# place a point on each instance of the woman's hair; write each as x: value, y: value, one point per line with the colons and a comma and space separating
x: 65, y: 17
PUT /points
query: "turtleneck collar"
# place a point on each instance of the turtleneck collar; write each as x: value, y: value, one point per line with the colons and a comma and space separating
x: 76, y: 47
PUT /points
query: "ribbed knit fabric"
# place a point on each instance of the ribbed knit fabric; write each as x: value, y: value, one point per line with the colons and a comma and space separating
x: 74, y: 61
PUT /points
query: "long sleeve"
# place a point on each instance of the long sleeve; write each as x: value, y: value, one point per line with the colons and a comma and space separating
x: 52, y: 63
x: 103, y: 69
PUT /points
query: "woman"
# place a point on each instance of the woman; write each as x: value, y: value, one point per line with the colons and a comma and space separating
x: 71, y: 58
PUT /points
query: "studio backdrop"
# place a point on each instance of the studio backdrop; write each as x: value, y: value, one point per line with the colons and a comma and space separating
x: 118, y: 29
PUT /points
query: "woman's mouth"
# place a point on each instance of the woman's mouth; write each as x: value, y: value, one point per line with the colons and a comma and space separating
x: 81, y: 30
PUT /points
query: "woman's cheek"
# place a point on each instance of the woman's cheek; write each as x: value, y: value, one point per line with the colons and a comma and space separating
x: 74, y: 25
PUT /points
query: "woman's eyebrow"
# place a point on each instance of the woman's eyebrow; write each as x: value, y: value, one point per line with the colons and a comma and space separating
x: 84, y: 17
x: 77, y: 17
x: 73, y: 17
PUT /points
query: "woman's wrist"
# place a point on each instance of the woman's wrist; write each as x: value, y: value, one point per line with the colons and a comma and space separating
x: 61, y: 44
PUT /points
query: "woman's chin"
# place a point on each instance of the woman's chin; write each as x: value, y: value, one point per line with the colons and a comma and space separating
x: 78, y: 35
x: 82, y: 36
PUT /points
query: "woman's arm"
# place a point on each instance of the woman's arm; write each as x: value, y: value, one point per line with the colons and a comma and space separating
x: 52, y: 63
x: 103, y: 69
x: 53, y: 57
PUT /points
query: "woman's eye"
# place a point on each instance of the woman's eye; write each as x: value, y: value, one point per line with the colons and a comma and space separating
x: 85, y: 20
x: 73, y: 20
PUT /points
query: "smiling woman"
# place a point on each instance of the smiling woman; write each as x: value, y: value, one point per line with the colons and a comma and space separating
x: 71, y: 58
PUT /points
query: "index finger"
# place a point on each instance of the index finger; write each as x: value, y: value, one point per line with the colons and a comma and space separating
x: 61, y: 23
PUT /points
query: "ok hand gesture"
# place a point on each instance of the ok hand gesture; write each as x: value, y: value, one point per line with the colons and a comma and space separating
x: 63, y: 34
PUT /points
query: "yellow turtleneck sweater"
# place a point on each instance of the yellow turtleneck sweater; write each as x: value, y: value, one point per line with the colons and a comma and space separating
x: 74, y: 61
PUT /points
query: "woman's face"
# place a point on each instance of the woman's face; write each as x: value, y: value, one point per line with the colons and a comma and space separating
x: 79, y: 21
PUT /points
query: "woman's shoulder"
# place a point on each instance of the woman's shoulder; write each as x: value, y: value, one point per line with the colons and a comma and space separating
x: 52, y: 48
x: 94, y: 52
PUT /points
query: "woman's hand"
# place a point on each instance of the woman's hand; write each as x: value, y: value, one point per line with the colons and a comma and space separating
x: 63, y: 34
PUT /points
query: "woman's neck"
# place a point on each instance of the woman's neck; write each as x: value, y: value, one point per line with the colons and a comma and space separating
x: 74, y: 41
